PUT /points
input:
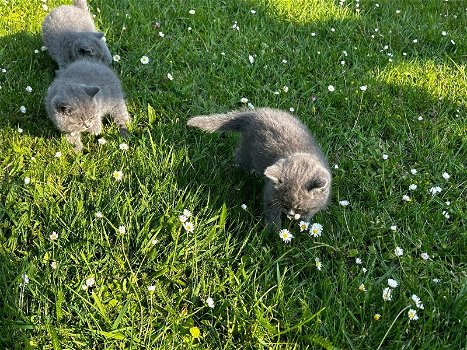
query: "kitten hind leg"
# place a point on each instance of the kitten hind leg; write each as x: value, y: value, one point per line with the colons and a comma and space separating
x: 75, y: 140
x: 121, y: 118
x: 243, y: 158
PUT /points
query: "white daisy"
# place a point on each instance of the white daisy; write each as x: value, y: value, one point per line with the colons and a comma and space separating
x: 446, y: 176
x: 99, y: 215
x: 417, y: 301
x: 358, y: 261
x: 393, y: 228
x: 182, y: 218
x: 58, y: 154
x: 243, y: 100
x: 144, y: 60
x: 151, y: 289
x: 188, y: 226
x: 101, y: 141
x: 362, y: 288
x: 316, y: 229
x: 53, y: 236
x: 123, y: 146
x: 413, y: 171
x: 405, y: 198
x: 27, y: 180
x: 90, y: 282
x: 121, y: 229
x: 344, y: 203
x: 192, y: 12
x: 387, y: 294
x: 53, y: 264
x: 22, y: 109
x: 385, y: 156
x: 170, y: 77
x: 412, y: 187
x: 425, y: 256
x: 116, y: 58
x: 392, y: 283
x: 303, y: 225
x: 244, y: 206
x: 187, y: 213
x: 363, y: 88
x: 398, y: 251
x: 251, y: 59
x: 117, y: 175
x: 28, y: 88
x: 285, y: 235
x: 318, y: 264
x: 210, y: 302
x: 412, y: 315
x: 331, y: 88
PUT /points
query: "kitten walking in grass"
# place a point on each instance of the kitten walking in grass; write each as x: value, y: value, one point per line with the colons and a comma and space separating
x: 278, y: 146
x: 69, y: 34
x: 80, y: 96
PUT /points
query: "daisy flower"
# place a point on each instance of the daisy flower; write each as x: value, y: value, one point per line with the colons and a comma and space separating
x: 53, y: 236
x: 210, y: 302
x: 116, y: 58
x: 446, y: 176
x: 405, y: 198
x: 117, y: 175
x: 303, y: 225
x: 182, y: 218
x: 425, y: 256
x: 316, y: 230
x: 413, y: 171
x: 412, y: 187
x: 170, y: 76
x: 376, y: 317
x: 358, y: 261
x: 385, y: 156
x: 318, y: 264
x: 398, y: 251
x: 244, y: 206
x: 90, y: 282
x: 22, y: 109
x: 392, y: 283
x: 251, y: 59
x: 344, y: 203
x: 121, y: 229
x: 28, y: 88
x: 331, y: 88
x: 362, y: 288
x: 25, y: 278
x: 412, y: 315
x: 187, y: 213
x: 417, y: 301
x: 99, y: 215
x: 123, y: 146
x: 435, y: 190
x: 363, y: 88
x: 58, y: 154
x: 20, y: 130
x: 188, y: 226
x: 101, y: 141
x: 151, y: 289
x: 387, y: 294
x: 243, y: 100
x: 53, y: 265
x: 393, y: 228
x: 192, y: 12
x: 145, y: 59
x: 285, y: 235
x: 27, y: 180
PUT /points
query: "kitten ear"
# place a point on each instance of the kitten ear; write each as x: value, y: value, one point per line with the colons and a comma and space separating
x: 274, y: 172
x: 91, y: 90
x: 63, y: 109
x: 99, y: 35
x: 318, y: 183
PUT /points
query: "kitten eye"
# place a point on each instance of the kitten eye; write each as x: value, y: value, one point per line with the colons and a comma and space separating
x: 86, y: 52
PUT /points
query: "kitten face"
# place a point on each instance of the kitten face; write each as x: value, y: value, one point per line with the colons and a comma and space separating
x: 300, y: 186
x: 92, y: 47
x: 75, y: 108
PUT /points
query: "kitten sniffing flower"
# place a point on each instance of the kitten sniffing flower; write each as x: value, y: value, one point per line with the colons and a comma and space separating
x: 277, y: 145
x: 80, y: 96
x: 69, y: 34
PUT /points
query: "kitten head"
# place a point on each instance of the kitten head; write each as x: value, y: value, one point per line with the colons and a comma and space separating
x: 91, y: 46
x: 300, y: 184
x: 74, y: 107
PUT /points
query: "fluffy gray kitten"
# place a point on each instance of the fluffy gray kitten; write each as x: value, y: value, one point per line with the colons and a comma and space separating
x: 278, y: 145
x: 79, y: 97
x: 69, y: 33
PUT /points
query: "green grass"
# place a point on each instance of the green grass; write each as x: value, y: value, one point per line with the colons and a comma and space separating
x: 268, y: 295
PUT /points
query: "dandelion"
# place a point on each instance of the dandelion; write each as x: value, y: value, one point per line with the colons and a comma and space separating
x: 117, y: 175
x: 121, y: 229
x: 195, y: 332
x: 244, y: 206
x: 53, y: 236
x: 393, y: 228
x: 376, y: 317
x: 90, y: 282
x: 362, y: 288
x: 358, y: 261
x: 145, y: 59
x: 398, y: 251
x: 188, y: 226
x: 101, y: 141
x: 251, y: 59
x: 210, y: 302
x: 27, y: 180
x: 318, y: 264
x: 387, y: 294
x: 99, y: 215
x: 412, y: 315
x: 303, y: 225
x: 363, y: 88
x: 116, y: 58
x: 285, y: 235
x: 22, y: 109
x: 392, y: 283
x: 123, y: 146
x: 28, y: 88
x: 331, y: 88
x: 192, y: 12
x: 417, y: 301
x: 412, y: 187
x: 243, y: 100
x: 170, y: 76
x: 385, y: 156
x: 151, y: 289
x: 413, y: 171
x: 58, y: 154
x: 405, y: 198
x: 53, y: 265
x: 316, y: 230
x: 344, y: 203
x: 446, y: 176
x: 425, y: 256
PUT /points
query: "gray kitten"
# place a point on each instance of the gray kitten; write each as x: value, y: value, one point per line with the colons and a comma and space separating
x: 69, y: 34
x: 79, y: 97
x: 278, y: 145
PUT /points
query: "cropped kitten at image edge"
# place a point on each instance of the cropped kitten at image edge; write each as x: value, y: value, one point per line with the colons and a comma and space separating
x: 81, y: 95
x: 69, y: 34
x: 277, y: 145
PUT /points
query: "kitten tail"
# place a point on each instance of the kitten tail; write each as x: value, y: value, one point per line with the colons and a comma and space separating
x: 232, y: 121
x: 81, y: 4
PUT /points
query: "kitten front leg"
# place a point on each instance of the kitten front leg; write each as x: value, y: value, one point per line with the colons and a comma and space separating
x: 75, y: 140
x: 272, y: 210
x: 96, y: 127
x: 121, y: 118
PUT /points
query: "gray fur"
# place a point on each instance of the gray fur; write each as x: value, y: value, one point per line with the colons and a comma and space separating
x: 79, y: 97
x: 69, y: 34
x: 278, y: 146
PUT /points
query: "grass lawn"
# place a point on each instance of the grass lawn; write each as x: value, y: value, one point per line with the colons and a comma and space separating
x: 382, y: 86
